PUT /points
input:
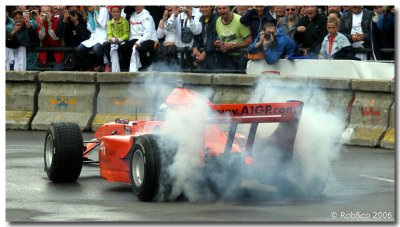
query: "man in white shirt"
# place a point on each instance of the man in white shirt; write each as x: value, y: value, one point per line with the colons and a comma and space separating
x: 184, y: 19
x: 356, y: 26
x: 140, y: 47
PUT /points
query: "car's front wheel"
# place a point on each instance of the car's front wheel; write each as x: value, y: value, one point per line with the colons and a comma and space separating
x: 63, y: 152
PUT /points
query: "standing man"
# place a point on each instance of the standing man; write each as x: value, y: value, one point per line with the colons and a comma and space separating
x: 185, y: 23
x: 290, y: 22
x: 203, y: 47
x: 46, y: 30
x: 232, y: 35
x: 255, y: 18
x: 311, y: 31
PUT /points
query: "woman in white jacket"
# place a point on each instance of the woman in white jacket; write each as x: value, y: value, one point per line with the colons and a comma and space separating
x: 97, y: 25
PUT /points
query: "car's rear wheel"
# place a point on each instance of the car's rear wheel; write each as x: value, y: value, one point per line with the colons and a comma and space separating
x: 63, y: 152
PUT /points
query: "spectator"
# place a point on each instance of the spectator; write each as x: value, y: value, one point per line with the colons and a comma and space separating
x: 58, y: 11
x: 157, y: 13
x: 97, y: 25
x: 140, y: 49
x: 302, y: 11
x: 356, y: 26
x: 232, y: 35
x: 311, y: 32
x: 117, y: 32
x: 334, y: 41
x: 9, y: 29
x: 279, y: 12
x: 167, y: 50
x: 274, y: 43
x: 203, y: 47
x: 240, y: 10
x: 47, y: 28
x: 345, y: 10
x: 335, y: 9
x: 290, y: 22
x: 31, y: 57
x: 334, y: 14
x: 255, y: 18
x: 186, y: 25
x: 71, y: 27
x: 17, y: 39
x: 34, y: 12
x: 383, y: 32
x: 72, y: 30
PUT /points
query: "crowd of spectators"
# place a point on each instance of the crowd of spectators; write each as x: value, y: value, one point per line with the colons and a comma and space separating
x: 138, y: 38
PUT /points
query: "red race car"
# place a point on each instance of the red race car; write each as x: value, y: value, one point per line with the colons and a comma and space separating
x: 139, y: 152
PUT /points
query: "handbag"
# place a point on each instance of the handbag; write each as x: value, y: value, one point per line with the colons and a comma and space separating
x: 186, y: 34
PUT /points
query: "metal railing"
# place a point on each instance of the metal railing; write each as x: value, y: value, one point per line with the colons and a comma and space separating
x: 181, y: 51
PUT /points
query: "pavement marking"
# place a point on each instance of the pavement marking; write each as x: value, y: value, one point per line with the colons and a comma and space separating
x: 377, y: 178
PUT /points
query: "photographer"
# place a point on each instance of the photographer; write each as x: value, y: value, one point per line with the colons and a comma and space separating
x: 17, y: 39
x: 72, y: 28
x: 185, y: 23
x: 275, y: 44
x: 47, y: 27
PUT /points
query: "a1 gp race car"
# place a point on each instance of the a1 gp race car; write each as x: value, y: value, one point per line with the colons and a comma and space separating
x: 139, y: 152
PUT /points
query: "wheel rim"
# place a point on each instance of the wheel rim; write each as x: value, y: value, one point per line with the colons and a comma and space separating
x: 138, y: 168
x: 50, y: 150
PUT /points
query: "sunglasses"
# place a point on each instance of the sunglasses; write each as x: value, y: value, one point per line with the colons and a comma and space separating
x: 287, y: 10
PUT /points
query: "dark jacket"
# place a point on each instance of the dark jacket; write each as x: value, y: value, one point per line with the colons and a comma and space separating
x: 21, y: 38
x: 383, y: 35
x: 256, y: 23
x: 73, y: 35
x: 315, y: 32
x: 346, y: 23
x: 205, y: 40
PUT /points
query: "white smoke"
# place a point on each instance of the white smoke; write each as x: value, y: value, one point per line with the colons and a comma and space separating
x: 186, y: 126
x: 316, y: 144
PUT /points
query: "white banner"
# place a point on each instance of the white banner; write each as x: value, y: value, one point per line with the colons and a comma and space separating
x: 324, y: 68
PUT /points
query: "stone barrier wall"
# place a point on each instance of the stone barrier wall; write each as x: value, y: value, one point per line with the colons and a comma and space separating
x: 22, y: 89
x: 92, y: 99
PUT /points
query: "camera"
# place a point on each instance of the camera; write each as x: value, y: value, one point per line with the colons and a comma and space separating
x: 72, y: 12
x: 268, y: 35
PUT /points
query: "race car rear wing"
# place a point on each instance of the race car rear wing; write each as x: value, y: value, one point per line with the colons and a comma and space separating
x: 287, y: 114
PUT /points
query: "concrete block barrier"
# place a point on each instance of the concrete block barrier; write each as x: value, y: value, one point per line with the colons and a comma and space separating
x: 388, y: 140
x: 369, y: 113
x: 123, y: 95
x: 66, y: 96
x: 22, y: 89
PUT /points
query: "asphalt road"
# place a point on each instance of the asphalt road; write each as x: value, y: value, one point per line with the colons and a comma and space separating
x: 364, y: 191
